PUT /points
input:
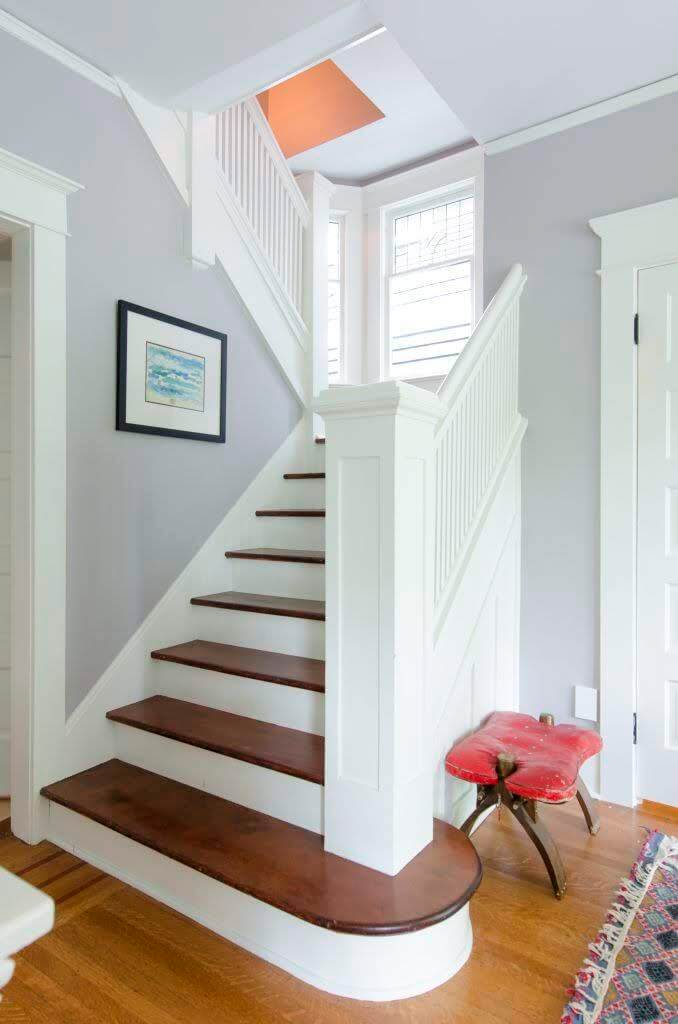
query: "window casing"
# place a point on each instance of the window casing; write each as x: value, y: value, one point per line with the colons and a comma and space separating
x: 336, y: 305
x: 429, y: 284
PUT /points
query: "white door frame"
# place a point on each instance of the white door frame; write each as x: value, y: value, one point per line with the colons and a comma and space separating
x: 632, y: 240
x: 33, y: 211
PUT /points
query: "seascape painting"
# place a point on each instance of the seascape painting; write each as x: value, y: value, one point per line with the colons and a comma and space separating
x: 174, y: 377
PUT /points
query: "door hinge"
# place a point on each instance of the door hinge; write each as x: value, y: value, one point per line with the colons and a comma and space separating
x: 635, y: 727
x: 635, y: 329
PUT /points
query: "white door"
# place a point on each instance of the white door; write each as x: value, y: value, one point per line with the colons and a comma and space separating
x: 5, y: 589
x: 657, y: 681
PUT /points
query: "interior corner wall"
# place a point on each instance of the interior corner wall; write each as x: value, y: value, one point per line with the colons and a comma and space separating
x: 538, y: 201
x: 139, y: 507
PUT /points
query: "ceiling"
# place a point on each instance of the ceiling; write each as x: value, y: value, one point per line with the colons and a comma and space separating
x: 162, y: 49
x: 492, y: 67
x: 417, y: 123
x: 506, y: 66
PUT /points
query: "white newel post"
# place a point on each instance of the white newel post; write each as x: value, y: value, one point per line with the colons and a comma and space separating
x: 379, y: 593
x: 317, y: 191
x: 201, y: 167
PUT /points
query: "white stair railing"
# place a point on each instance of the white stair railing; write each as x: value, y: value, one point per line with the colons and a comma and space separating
x: 479, y: 428
x: 253, y: 169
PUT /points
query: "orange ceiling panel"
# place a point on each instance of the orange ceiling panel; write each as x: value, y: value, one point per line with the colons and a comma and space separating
x: 316, y: 106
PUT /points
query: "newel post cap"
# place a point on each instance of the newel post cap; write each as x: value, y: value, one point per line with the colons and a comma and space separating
x: 386, y: 398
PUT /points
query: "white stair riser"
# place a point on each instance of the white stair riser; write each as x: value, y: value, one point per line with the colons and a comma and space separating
x: 283, y: 634
x: 303, y: 493
x: 253, y: 698
x: 283, y: 579
x: 286, y: 532
x: 361, y: 967
x: 282, y: 796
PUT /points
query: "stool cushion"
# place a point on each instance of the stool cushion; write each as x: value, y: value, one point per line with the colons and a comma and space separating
x: 547, y: 757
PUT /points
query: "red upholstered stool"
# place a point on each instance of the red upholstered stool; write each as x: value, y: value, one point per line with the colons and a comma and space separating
x: 518, y: 761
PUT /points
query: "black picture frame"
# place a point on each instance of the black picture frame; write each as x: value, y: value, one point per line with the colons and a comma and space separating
x: 121, y: 423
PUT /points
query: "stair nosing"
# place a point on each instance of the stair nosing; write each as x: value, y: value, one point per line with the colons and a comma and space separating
x: 286, y: 555
x: 304, y: 476
x: 291, y: 513
x: 224, y: 750
x: 233, y: 604
x: 266, y: 677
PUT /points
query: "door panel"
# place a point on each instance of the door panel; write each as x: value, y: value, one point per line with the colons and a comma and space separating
x: 657, y: 595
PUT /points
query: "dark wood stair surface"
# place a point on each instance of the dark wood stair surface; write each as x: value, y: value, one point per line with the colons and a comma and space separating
x: 296, y: 513
x: 279, y: 555
x: 291, y: 607
x: 270, y: 666
x: 289, y: 751
x: 281, y: 864
x: 303, y: 476
x: 320, y: 440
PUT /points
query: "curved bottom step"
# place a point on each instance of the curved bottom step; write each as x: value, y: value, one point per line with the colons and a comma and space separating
x: 270, y: 887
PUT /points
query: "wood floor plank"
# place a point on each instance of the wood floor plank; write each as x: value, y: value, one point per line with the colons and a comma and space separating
x: 527, y: 945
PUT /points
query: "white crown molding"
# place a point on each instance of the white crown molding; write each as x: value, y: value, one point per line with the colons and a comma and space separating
x: 633, y: 98
x: 34, y: 172
x: 20, y: 30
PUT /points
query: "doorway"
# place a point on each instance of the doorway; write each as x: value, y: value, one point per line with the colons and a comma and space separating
x: 5, y: 518
x: 657, y: 557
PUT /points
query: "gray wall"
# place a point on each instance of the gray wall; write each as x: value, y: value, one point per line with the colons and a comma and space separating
x: 138, y: 507
x: 538, y: 201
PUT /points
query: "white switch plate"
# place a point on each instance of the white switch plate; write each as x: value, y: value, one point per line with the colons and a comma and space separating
x: 586, y: 703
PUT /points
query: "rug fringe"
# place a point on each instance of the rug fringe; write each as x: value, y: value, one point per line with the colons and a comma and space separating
x: 599, y: 966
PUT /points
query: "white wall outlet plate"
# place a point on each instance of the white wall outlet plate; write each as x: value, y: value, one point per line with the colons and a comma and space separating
x: 586, y: 703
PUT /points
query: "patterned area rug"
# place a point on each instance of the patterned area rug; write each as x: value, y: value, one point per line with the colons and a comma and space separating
x: 631, y: 976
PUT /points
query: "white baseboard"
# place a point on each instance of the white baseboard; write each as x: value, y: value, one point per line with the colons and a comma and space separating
x: 359, y: 967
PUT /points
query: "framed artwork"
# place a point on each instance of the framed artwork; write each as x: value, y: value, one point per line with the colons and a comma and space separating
x: 171, y: 376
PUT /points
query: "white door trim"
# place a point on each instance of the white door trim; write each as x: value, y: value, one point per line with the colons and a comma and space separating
x: 33, y: 211
x: 632, y: 240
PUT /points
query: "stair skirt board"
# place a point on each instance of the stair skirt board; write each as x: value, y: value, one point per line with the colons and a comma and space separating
x: 282, y: 796
x: 356, y: 966
x: 253, y: 698
x: 304, y: 638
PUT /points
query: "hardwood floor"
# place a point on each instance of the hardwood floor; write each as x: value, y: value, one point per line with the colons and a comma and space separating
x: 117, y: 956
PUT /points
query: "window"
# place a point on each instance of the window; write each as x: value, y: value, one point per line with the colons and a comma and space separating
x: 429, y: 285
x: 335, y: 300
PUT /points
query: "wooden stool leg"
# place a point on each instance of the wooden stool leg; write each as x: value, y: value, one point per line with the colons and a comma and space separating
x: 531, y: 808
x: 548, y: 850
x: 588, y: 806
x: 484, y: 803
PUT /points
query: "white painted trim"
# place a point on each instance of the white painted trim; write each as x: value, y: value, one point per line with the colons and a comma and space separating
x: 167, y: 133
x: 631, y: 240
x: 376, y: 968
x: 626, y: 100
x: 33, y: 211
x: 278, y: 157
x: 20, y: 30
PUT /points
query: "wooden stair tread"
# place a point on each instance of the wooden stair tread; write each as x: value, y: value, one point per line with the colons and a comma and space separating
x: 303, y: 476
x: 270, y: 666
x: 279, y: 555
x: 281, y: 864
x: 296, y: 513
x: 268, y: 604
x: 289, y: 751
x: 320, y: 440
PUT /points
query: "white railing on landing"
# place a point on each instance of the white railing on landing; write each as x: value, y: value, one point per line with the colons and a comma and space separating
x: 479, y: 429
x: 255, y: 172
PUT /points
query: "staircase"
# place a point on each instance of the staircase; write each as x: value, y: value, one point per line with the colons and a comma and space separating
x: 234, y: 802
x: 266, y: 758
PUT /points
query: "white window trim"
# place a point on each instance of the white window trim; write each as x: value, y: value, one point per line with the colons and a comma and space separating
x: 437, y: 197
x: 339, y: 217
x: 632, y: 240
x: 444, y: 175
